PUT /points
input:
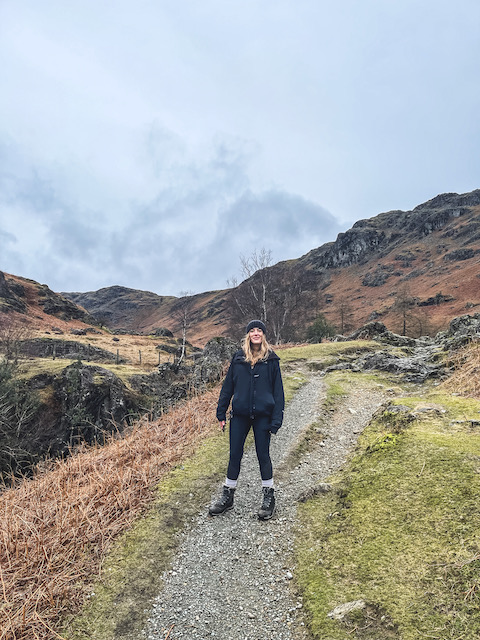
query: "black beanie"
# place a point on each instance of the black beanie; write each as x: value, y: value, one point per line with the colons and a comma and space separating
x: 258, y: 324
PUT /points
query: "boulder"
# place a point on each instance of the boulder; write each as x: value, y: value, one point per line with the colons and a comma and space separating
x: 92, y: 402
x: 461, y: 331
x: 413, y: 368
x: 216, y: 353
x: 162, y: 331
x: 378, y: 331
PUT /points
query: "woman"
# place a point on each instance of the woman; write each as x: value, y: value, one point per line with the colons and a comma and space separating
x: 255, y: 383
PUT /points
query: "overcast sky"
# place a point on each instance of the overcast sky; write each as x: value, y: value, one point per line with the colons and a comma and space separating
x: 149, y: 143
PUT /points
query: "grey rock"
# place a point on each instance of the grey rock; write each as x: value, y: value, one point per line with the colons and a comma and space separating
x: 92, y: 401
x: 162, y: 331
x: 55, y: 347
x: 209, y: 367
x: 460, y: 254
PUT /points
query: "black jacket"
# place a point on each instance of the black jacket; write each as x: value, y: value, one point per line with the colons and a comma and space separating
x: 256, y: 391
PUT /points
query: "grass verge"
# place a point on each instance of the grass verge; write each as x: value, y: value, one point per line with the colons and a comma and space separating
x: 401, y: 530
x: 326, y: 350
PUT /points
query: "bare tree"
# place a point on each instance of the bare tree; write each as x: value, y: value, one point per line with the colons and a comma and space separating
x: 267, y: 293
x: 284, y: 299
x: 257, y: 265
x: 11, y: 335
x: 182, y: 312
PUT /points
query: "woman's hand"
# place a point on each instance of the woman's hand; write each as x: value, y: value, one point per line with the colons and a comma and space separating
x: 222, y: 424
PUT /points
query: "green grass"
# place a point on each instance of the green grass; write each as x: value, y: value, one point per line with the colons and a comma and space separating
x: 35, y: 366
x: 326, y: 350
x: 292, y: 383
x: 401, y: 531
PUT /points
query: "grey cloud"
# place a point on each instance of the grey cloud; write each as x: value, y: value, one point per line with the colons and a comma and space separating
x: 188, y: 236
x: 7, y: 238
x: 286, y: 223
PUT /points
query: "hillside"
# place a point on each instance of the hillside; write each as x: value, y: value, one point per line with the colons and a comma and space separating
x: 421, y: 266
x: 34, y: 306
x: 430, y: 254
x: 114, y: 542
x: 143, y: 311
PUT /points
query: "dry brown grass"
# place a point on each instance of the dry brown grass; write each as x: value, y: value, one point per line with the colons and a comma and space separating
x: 56, y: 528
x: 465, y: 379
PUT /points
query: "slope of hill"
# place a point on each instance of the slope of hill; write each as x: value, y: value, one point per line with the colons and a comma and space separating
x: 429, y: 256
x: 134, y: 310
x: 418, y: 267
x: 33, y: 305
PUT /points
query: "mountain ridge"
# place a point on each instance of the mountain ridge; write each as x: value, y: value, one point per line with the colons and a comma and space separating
x: 423, y: 263
x: 420, y: 250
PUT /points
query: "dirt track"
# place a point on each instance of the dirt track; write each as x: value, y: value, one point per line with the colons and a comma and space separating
x: 233, y: 576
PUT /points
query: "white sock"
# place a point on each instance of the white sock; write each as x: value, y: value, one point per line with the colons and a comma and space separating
x: 230, y: 483
x: 267, y: 483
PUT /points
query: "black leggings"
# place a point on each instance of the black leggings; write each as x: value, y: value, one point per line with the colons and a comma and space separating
x: 239, y: 428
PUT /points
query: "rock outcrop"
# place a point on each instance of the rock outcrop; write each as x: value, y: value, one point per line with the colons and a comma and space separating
x: 92, y: 402
x: 56, y: 348
x: 48, y: 414
x: 11, y: 296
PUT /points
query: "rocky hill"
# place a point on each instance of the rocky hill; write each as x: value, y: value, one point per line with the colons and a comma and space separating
x: 33, y: 305
x: 133, y: 310
x: 428, y: 258
x: 412, y: 269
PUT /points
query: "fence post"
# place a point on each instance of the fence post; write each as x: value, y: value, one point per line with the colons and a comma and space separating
x: 118, y: 356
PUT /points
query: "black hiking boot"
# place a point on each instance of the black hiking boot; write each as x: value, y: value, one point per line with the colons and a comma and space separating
x: 268, y: 505
x: 224, y: 503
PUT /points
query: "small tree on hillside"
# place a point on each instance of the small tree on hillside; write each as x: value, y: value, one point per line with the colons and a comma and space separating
x: 404, y: 308
x: 320, y: 329
x: 267, y: 293
x: 182, y: 313
x: 12, y: 334
x: 344, y: 313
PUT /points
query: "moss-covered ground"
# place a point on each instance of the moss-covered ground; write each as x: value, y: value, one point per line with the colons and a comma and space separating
x: 326, y: 353
x: 401, y: 530
x: 36, y: 366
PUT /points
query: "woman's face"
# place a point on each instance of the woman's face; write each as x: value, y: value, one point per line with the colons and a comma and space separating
x: 256, y: 336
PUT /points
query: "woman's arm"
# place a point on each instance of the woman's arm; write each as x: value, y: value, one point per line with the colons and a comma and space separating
x: 225, y: 395
x: 279, y: 397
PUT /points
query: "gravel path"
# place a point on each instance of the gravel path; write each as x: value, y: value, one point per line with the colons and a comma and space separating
x: 231, y: 578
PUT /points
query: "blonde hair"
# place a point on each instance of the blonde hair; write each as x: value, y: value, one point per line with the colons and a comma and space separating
x: 254, y: 356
